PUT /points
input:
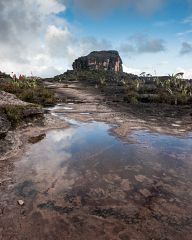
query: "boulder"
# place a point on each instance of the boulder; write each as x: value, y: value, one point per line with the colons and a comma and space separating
x: 10, y: 99
x: 32, y: 111
x: 16, y: 107
x: 99, y: 60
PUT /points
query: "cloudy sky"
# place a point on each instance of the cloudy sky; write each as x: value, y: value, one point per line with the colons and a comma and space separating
x: 45, y: 36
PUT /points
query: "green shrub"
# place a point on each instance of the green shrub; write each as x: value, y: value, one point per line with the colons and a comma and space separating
x: 131, y: 97
x: 24, y: 81
x: 39, y: 95
x: 9, y: 87
x: 14, y: 114
x: 30, y: 91
x: 134, y: 100
x: 174, y: 90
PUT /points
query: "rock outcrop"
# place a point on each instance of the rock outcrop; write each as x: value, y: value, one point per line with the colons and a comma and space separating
x: 10, y: 99
x: 99, y: 60
x: 23, y: 109
x: 5, y: 124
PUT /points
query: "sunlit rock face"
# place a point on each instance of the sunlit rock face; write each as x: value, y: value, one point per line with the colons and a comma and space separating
x: 99, y: 60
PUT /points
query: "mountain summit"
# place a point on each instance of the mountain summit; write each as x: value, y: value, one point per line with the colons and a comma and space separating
x: 99, y: 60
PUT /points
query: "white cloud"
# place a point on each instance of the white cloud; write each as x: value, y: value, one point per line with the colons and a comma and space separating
x: 163, y: 63
x: 50, y: 6
x: 24, y: 24
x: 57, y: 41
x: 164, y: 23
x: 180, y: 34
x: 187, y: 72
x: 187, y: 20
x: 131, y: 70
x: 35, y: 39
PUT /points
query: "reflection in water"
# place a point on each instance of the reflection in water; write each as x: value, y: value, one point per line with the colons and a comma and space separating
x: 85, y: 168
x: 89, y: 147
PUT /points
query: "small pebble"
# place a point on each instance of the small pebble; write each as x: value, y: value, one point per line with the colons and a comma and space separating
x: 20, y: 202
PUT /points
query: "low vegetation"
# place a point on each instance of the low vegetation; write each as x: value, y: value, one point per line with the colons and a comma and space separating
x: 14, y: 114
x: 175, y: 90
x: 29, y: 89
x: 172, y: 89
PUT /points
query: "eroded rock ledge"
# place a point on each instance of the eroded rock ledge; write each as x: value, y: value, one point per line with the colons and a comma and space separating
x: 13, y: 109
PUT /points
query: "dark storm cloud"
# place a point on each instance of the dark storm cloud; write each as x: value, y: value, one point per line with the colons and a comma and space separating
x: 186, y: 48
x: 92, y: 44
x: 102, y: 6
x: 139, y: 43
x: 151, y: 46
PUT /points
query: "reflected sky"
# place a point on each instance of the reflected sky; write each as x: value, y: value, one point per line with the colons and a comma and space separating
x: 68, y: 153
x: 86, y: 170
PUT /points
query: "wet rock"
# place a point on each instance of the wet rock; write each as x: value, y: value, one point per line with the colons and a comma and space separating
x: 26, y: 189
x: 146, y: 193
x: 5, y: 180
x: 37, y: 139
x: 140, y: 178
x: 23, y: 212
x: 50, y: 205
x: 32, y: 111
x: 117, y: 214
x: 125, y: 184
x: 99, y: 60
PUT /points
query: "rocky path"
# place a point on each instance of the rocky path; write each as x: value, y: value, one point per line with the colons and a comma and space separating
x: 96, y: 170
x: 90, y: 105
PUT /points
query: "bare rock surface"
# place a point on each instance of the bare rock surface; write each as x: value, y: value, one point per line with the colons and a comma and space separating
x: 10, y: 99
x: 9, y: 141
x: 95, y: 106
x: 139, y: 193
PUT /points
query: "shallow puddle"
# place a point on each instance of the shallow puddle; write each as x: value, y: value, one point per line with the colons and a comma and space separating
x: 91, y: 147
x: 101, y: 187
x: 85, y: 113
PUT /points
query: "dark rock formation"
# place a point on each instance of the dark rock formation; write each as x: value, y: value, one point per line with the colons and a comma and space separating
x: 5, y: 125
x: 4, y: 75
x: 102, y: 60
x: 32, y: 111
